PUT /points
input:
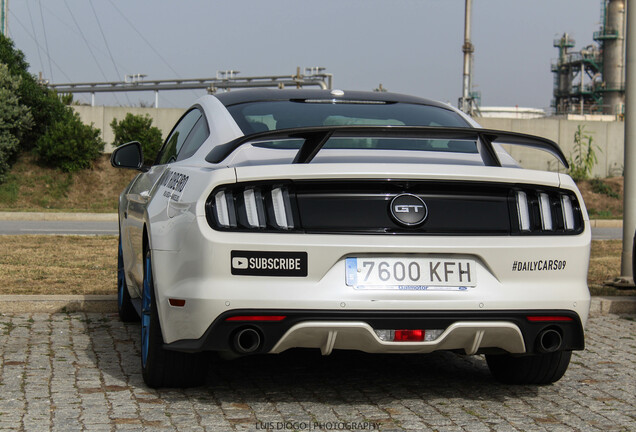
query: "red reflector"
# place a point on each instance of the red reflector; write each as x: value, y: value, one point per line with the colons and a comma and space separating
x: 177, y: 302
x: 409, y: 336
x: 548, y: 318
x: 256, y: 318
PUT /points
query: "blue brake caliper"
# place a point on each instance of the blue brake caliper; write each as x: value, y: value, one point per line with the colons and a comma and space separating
x: 120, y: 277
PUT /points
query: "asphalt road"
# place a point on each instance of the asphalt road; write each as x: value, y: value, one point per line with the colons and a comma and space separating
x: 16, y: 227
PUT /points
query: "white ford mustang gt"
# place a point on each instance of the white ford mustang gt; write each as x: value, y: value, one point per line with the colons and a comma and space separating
x: 278, y: 219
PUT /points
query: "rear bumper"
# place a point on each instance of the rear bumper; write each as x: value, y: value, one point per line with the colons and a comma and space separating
x: 470, y: 332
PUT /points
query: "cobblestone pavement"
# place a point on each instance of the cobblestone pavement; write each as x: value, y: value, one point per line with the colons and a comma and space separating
x: 81, y: 372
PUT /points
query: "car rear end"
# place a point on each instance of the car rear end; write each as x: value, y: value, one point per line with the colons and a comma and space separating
x: 384, y: 224
x: 309, y: 256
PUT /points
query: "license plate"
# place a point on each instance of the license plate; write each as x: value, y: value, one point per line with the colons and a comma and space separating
x: 411, y: 273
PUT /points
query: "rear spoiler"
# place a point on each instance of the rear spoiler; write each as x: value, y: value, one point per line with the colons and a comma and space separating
x: 316, y: 137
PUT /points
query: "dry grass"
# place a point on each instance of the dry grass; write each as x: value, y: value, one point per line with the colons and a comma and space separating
x: 42, y: 264
x: 39, y: 264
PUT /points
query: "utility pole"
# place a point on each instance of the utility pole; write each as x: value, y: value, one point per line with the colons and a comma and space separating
x: 4, y: 17
x: 466, y: 102
x: 629, y: 195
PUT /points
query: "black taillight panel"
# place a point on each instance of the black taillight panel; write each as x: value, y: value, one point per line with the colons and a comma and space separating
x: 363, y: 207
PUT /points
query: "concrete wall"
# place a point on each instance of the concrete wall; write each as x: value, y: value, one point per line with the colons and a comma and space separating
x: 609, y: 136
x: 101, y: 117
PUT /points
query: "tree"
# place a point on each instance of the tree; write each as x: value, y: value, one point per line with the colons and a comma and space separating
x: 46, y: 108
x: 15, y: 119
x: 57, y: 136
x: 138, y: 128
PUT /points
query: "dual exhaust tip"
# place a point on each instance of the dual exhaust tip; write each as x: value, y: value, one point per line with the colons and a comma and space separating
x: 247, y: 340
x: 549, y: 341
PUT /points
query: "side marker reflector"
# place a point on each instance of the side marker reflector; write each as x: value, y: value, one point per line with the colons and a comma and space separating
x: 176, y: 302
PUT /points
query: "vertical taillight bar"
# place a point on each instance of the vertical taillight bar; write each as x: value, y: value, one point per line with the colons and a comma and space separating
x: 568, y: 212
x: 523, y: 211
x: 282, y: 208
x: 254, y: 208
x: 224, y: 209
x: 546, y: 211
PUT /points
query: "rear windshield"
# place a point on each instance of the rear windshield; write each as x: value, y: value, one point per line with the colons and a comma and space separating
x: 256, y: 117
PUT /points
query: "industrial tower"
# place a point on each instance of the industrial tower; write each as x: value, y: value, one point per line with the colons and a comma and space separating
x: 4, y: 17
x: 592, y: 81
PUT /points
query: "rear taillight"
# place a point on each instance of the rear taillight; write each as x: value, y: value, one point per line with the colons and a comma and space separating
x: 251, y: 207
x: 546, y: 212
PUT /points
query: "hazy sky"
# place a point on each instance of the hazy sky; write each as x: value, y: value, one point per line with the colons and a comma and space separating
x: 410, y: 46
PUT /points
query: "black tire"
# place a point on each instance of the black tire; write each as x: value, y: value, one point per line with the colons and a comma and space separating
x: 535, y: 369
x: 160, y: 367
x: 127, y: 312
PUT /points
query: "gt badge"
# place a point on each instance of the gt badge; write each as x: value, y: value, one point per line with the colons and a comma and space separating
x: 408, y: 210
x: 255, y: 263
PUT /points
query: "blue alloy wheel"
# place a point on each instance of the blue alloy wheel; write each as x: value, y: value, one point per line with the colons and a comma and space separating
x: 146, y: 310
x: 161, y: 367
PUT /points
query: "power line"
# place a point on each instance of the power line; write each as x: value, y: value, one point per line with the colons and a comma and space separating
x: 33, y: 28
x: 72, y: 28
x: 106, y: 43
x: 88, y: 45
x: 46, y: 40
x: 84, y: 39
x: 37, y: 43
x: 146, y: 40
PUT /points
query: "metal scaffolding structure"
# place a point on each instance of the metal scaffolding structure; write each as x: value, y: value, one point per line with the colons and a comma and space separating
x: 592, y: 81
x: 224, y: 80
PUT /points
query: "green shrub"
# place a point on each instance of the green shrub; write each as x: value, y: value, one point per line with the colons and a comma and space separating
x: 15, y: 119
x: 138, y: 128
x: 69, y: 144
